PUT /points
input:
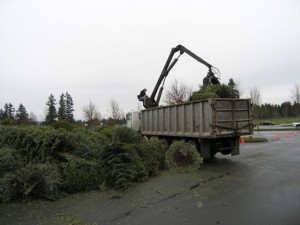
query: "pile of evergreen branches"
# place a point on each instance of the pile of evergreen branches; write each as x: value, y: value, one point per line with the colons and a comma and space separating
x: 43, y: 162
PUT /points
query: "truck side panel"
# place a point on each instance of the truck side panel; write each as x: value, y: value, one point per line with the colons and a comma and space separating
x: 176, y: 120
x: 208, y: 118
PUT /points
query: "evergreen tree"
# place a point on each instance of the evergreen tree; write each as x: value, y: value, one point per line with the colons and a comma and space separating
x: 65, y: 110
x: 7, y: 114
x: 22, y: 116
x: 8, y: 111
x: 69, y: 107
x: 212, y: 91
x: 296, y: 109
x: 51, y: 111
x: 286, y: 109
x: 216, y: 91
x: 4, y: 112
x: 61, y: 114
x: 1, y: 114
x: 234, y: 92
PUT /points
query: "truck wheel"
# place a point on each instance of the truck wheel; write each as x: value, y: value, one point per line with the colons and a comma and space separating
x: 225, y: 152
x: 212, y: 157
x: 212, y: 154
x: 165, y: 142
x: 195, y: 143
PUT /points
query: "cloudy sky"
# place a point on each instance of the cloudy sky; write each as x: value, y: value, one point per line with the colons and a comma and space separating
x: 100, y: 50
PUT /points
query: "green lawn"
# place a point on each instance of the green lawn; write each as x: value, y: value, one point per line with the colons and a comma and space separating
x: 280, y: 120
x: 253, y: 139
x: 286, y: 120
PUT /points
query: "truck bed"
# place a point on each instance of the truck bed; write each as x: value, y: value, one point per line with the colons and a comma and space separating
x: 209, y: 118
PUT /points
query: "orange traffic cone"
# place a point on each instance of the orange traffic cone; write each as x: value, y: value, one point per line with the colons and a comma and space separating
x: 287, y: 135
x: 242, y: 140
x: 277, y: 136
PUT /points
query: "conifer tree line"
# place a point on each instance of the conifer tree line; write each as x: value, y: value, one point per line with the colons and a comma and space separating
x: 9, y: 115
x: 61, y: 111
x: 64, y: 111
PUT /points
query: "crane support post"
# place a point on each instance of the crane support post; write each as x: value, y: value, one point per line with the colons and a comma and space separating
x: 163, y: 74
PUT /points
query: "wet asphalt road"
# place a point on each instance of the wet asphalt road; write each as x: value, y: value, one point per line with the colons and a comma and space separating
x: 260, y: 186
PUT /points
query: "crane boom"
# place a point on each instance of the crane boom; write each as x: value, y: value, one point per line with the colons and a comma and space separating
x: 151, y: 102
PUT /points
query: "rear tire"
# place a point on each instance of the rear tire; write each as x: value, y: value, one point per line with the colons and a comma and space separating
x: 225, y: 152
x: 195, y: 143
x: 165, y: 142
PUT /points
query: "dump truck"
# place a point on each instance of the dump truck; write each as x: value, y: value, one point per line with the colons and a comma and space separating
x: 213, y: 125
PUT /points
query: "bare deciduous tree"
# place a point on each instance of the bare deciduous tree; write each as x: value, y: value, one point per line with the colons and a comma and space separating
x: 115, y: 111
x: 255, y: 96
x: 296, y: 98
x: 177, y: 93
x: 238, y: 87
x: 255, y: 100
x: 33, y: 117
x: 90, y: 112
x: 296, y: 93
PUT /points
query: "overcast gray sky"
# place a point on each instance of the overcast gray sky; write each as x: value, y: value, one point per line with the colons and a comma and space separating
x: 111, y: 49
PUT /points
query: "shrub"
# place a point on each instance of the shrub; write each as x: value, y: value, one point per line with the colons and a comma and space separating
x: 37, y: 144
x: 127, y: 135
x: 183, y: 157
x: 8, y: 136
x: 121, y: 166
x: 107, y: 131
x: 43, y: 162
x: 213, y: 91
x: 10, y: 160
x: 80, y: 174
x: 7, y: 122
x: 33, y: 180
x: 121, y: 134
x: 86, y: 143
x: 63, y: 124
x: 43, y: 144
x: 152, y: 153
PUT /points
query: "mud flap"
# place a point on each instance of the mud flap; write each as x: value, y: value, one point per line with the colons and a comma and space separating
x: 205, y: 150
x: 236, y: 144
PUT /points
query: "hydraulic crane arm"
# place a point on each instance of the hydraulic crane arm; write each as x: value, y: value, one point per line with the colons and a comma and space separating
x: 182, y: 49
x: 151, y: 102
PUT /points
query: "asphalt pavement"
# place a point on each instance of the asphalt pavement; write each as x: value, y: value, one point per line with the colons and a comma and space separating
x: 260, y: 186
